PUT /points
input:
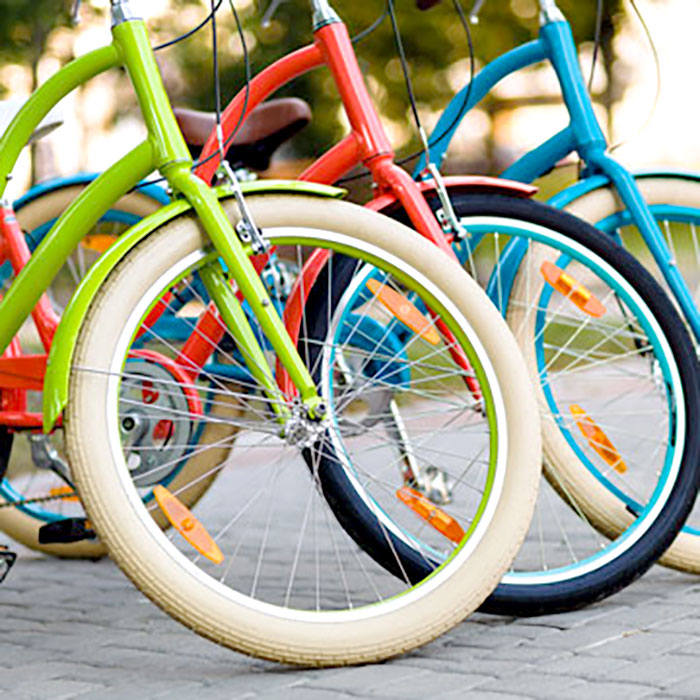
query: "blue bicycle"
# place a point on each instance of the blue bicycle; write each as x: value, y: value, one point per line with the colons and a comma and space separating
x: 654, y: 214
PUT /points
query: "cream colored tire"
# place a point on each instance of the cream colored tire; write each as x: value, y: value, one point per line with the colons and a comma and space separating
x: 23, y: 527
x: 684, y: 553
x: 561, y: 466
x: 328, y: 638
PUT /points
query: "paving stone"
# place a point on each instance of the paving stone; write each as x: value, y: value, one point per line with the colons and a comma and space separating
x: 659, y: 671
x: 690, y: 650
x: 306, y: 694
x: 427, y: 684
x: 609, y: 691
x: 538, y: 685
x: 451, y: 659
x: 638, y: 644
x: 689, y: 624
x: 55, y: 689
x: 580, y: 637
x: 688, y: 688
x: 528, y: 652
x: 574, y: 618
x: 364, y: 679
x: 483, y: 695
x: 583, y: 666
x: 79, y: 629
x: 648, y: 614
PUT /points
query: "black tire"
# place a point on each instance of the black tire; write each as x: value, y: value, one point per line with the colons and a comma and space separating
x: 591, y: 586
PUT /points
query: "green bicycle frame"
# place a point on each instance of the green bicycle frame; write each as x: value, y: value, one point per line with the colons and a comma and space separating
x: 163, y: 150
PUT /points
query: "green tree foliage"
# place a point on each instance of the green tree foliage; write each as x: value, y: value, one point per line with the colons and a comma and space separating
x: 25, y: 27
x: 434, y: 41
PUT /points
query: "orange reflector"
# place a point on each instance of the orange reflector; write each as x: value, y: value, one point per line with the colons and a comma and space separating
x: 98, y: 242
x: 184, y: 521
x: 445, y: 524
x: 405, y: 311
x: 65, y: 493
x: 597, y: 439
x: 572, y: 289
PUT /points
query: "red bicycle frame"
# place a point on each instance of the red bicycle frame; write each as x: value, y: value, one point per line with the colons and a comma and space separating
x: 20, y: 373
x: 367, y: 143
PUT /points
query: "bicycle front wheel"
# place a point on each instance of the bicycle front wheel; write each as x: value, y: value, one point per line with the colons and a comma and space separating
x: 404, y: 327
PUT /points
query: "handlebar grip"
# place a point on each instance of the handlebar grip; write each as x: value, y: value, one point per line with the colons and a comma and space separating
x: 426, y: 4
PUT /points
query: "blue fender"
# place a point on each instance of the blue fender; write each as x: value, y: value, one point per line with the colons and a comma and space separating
x: 154, y: 191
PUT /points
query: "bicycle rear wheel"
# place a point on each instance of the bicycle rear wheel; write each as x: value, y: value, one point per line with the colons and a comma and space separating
x: 292, y: 585
x: 674, y: 200
x: 617, y: 387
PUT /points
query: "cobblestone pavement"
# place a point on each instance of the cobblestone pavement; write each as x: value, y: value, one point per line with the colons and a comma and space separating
x: 78, y: 629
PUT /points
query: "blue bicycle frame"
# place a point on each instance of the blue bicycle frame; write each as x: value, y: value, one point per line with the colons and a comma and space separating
x: 583, y: 135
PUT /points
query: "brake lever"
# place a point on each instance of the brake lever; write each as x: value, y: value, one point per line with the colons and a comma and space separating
x: 270, y: 12
x: 474, y: 14
x: 75, y: 14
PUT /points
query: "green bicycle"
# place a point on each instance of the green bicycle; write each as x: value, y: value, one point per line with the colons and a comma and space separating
x: 263, y: 565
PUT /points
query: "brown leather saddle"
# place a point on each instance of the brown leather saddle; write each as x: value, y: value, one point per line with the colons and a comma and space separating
x: 267, y: 127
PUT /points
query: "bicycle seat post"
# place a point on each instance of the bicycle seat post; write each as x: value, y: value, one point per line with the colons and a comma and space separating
x: 323, y: 14
x: 549, y: 12
x: 122, y: 11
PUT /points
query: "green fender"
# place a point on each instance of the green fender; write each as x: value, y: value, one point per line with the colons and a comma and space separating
x: 60, y: 357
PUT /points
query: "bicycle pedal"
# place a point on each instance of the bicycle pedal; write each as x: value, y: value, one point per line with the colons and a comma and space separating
x: 66, y: 531
x: 7, y: 560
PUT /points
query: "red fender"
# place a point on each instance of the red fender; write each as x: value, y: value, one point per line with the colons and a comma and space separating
x: 470, y: 184
x: 297, y: 299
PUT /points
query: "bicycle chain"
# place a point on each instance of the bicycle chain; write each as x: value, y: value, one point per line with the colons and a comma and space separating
x: 38, y: 499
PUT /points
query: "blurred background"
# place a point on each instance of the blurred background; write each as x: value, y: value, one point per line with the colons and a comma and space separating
x: 102, y: 119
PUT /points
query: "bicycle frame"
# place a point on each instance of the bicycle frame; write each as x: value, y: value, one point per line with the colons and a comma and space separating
x: 583, y: 135
x: 164, y: 150
x: 367, y: 144
x: 367, y: 141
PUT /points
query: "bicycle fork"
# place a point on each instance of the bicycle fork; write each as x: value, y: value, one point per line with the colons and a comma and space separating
x: 173, y: 160
x: 244, y: 274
